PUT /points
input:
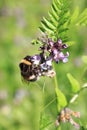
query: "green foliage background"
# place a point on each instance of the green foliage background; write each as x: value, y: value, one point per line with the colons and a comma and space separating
x: 21, y: 104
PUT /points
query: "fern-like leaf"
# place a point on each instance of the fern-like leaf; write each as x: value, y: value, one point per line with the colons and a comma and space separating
x: 82, y: 19
x: 74, y: 16
x: 57, y: 24
x: 60, y: 20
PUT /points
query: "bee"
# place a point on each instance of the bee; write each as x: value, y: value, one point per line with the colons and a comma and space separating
x: 28, y: 70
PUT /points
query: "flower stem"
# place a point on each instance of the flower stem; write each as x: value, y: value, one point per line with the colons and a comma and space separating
x: 56, y: 89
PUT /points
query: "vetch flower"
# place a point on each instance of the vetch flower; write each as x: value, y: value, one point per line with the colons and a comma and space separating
x: 66, y: 115
x: 47, y: 64
x: 55, y: 50
x: 59, y: 56
x: 33, y: 67
x: 36, y: 59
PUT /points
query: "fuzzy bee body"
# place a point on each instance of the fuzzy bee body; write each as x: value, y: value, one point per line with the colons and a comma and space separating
x: 27, y: 69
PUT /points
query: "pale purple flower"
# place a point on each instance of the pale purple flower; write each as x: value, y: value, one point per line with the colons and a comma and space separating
x: 50, y: 42
x: 47, y: 65
x: 55, y: 50
x: 36, y: 59
x: 59, y: 56
x: 59, y: 41
x: 63, y: 57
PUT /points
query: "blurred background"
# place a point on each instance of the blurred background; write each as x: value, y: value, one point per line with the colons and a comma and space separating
x: 21, y: 103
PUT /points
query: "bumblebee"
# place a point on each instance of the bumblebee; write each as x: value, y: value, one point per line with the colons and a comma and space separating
x: 28, y: 70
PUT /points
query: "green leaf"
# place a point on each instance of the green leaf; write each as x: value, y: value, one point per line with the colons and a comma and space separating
x: 55, y: 6
x: 52, y: 16
x: 58, y: 22
x: 53, y: 19
x: 61, y: 99
x: 44, y: 121
x: 82, y: 19
x: 70, y: 43
x: 42, y: 29
x: 84, y: 58
x: 75, y: 86
x: 54, y: 12
x: 64, y: 38
x: 49, y: 23
x: 46, y: 27
x: 75, y: 15
x: 59, y: 2
x: 61, y: 20
x: 34, y: 42
x: 63, y: 30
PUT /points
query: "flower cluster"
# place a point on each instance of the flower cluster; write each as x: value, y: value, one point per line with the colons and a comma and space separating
x: 55, y: 50
x: 32, y: 67
x: 66, y: 115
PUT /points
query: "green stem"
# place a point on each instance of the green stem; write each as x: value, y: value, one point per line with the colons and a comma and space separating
x: 56, y: 88
x: 48, y: 104
x: 56, y: 82
x: 74, y: 98
x: 57, y: 91
x: 55, y: 78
